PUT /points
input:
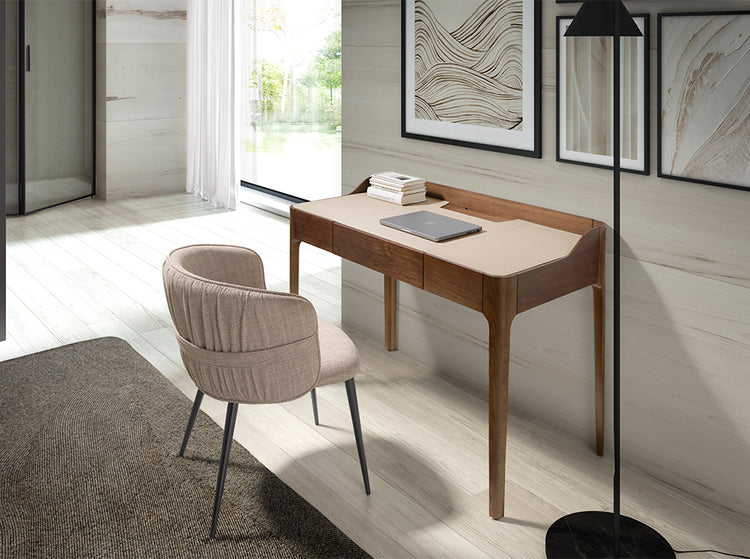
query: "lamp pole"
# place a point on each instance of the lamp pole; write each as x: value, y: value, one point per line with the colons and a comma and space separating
x: 616, y: 278
x: 595, y: 534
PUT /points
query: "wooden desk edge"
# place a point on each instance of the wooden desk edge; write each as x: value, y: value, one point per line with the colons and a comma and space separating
x: 583, y: 266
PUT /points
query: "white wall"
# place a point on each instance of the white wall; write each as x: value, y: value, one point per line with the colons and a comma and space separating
x: 141, y: 110
x: 685, y: 276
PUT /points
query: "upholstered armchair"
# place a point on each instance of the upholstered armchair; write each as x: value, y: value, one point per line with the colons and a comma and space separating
x: 244, y: 344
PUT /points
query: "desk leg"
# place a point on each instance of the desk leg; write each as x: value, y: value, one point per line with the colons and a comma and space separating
x: 294, y: 266
x: 389, y: 300
x: 499, y: 304
x: 599, y: 366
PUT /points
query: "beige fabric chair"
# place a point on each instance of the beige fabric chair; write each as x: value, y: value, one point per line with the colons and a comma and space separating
x: 243, y: 344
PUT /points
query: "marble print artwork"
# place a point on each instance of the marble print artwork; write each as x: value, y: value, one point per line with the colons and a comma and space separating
x: 585, y: 102
x: 588, y: 109
x: 705, y: 98
x: 473, y: 73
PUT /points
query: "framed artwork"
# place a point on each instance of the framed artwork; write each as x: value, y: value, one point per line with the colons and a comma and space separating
x: 584, y: 98
x: 471, y: 73
x: 704, y: 98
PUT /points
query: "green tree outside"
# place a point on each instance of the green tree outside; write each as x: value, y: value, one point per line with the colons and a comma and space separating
x: 270, y: 81
x: 325, y: 73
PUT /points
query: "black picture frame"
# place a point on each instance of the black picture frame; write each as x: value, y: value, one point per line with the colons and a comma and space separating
x: 709, y: 29
x: 522, y: 138
x: 564, y: 153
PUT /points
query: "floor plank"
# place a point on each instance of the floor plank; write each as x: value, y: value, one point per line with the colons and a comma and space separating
x: 94, y: 269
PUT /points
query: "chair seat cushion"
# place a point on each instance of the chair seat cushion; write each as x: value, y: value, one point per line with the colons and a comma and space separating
x: 339, y: 359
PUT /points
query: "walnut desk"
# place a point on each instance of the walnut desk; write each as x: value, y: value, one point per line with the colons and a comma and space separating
x: 523, y: 257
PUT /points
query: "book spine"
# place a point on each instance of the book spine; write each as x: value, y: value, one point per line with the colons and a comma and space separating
x: 395, y: 188
x: 396, y: 198
x: 380, y: 194
x: 390, y: 180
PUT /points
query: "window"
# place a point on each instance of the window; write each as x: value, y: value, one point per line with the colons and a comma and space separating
x: 291, y: 96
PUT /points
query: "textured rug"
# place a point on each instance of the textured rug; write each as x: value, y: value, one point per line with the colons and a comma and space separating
x: 89, y: 468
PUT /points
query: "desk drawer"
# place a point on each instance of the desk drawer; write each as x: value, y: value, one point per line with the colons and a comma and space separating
x: 453, y: 282
x: 393, y: 260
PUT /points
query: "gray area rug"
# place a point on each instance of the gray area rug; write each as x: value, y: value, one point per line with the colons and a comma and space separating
x: 89, y: 468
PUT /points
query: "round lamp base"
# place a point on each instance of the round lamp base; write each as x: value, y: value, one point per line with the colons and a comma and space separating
x: 589, y: 535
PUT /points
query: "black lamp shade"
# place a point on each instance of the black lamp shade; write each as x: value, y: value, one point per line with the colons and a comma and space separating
x: 596, y: 18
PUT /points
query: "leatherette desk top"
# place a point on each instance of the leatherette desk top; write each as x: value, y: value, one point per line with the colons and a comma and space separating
x: 502, y: 248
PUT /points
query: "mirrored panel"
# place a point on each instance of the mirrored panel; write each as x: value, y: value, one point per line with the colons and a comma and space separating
x: 58, y: 102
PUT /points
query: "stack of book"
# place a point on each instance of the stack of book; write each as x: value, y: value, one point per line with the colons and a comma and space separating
x: 397, y: 188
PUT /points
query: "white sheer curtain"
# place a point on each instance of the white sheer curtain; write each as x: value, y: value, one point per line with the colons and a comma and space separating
x: 213, y: 142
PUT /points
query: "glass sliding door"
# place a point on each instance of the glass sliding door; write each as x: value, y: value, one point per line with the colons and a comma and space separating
x: 57, y: 95
x: 291, y: 97
x: 10, y: 39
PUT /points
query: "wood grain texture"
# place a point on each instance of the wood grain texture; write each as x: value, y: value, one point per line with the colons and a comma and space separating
x: 311, y: 229
x: 390, y: 290
x: 453, y: 282
x: 499, y: 308
x: 141, y: 89
x: 509, y: 209
x: 578, y: 270
x: 398, y: 262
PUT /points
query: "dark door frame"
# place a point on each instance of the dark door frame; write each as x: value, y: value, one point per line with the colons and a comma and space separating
x: 2, y: 174
x: 23, y: 66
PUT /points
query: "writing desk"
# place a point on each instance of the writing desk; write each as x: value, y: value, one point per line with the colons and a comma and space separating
x: 524, y: 256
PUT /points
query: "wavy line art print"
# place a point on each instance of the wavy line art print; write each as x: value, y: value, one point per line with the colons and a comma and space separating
x: 471, y: 73
x: 704, y: 98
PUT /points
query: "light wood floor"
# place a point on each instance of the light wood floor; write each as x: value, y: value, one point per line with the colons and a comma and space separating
x: 93, y: 269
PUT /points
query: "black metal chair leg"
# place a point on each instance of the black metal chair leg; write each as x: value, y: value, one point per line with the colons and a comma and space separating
x: 191, y: 421
x: 315, y: 406
x: 351, y: 394
x: 226, y: 446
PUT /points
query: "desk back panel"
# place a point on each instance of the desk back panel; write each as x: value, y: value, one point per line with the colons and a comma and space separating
x: 492, y: 208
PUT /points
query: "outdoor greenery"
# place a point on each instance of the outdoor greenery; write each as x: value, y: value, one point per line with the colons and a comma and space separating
x: 291, y: 59
x: 326, y: 68
x: 315, y: 97
x: 271, y: 82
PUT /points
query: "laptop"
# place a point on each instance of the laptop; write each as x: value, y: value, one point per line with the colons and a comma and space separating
x: 429, y: 225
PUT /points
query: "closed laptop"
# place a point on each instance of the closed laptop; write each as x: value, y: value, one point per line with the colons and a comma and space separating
x: 429, y: 225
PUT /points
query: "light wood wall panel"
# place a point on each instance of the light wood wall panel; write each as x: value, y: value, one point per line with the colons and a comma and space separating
x: 141, y: 84
x: 685, y: 275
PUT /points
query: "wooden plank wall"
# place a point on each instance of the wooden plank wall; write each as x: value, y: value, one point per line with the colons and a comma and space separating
x: 685, y: 275
x: 141, y: 97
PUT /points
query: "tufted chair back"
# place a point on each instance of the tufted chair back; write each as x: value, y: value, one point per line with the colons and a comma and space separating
x: 239, y: 342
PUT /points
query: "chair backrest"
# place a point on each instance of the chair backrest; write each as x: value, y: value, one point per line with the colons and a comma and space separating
x: 239, y: 342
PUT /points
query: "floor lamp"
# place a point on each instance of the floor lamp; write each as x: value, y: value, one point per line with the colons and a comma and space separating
x: 603, y: 534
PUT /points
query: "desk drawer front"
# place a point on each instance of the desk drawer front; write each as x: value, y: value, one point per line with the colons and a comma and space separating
x: 311, y: 229
x: 377, y: 254
x: 453, y: 282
